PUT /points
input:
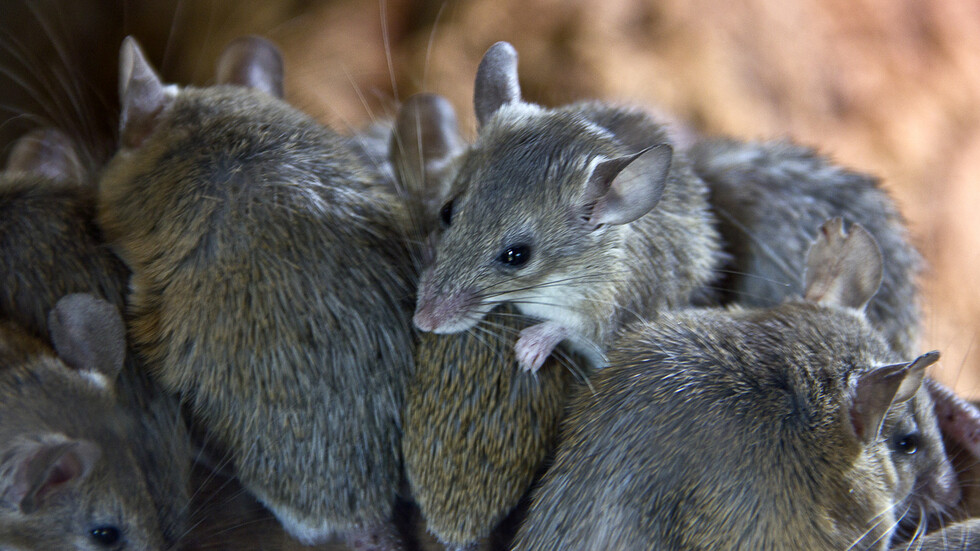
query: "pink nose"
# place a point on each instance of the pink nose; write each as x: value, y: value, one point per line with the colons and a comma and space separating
x: 425, y: 318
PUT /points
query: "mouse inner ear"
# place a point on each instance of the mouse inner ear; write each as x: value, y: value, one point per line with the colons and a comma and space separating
x: 425, y: 140
x: 623, y: 189
x: 36, y: 469
x: 842, y: 269
x: 880, y: 387
x: 142, y: 95
x: 253, y: 62
x: 46, y: 152
x: 496, y: 82
x: 88, y: 334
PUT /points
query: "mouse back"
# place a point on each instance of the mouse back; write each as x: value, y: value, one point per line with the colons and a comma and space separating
x: 737, y: 428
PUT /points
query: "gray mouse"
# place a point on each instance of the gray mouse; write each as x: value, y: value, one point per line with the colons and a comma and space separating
x: 477, y: 427
x: 958, y: 536
x: 581, y: 216
x: 747, y: 428
x: 769, y: 198
x: 69, y: 479
x: 266, y: 288
x: 51, y: 247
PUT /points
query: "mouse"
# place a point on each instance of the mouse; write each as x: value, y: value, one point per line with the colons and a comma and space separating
x: 581, y: 216
x: 958, y: 536
x: 477, y: 428
x: 266, y: 289
x: 747, y: 428
x: 68, y: 476
x: 770, y: 196
x: 50, y: 247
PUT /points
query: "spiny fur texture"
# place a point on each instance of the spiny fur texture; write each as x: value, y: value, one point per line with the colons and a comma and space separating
x: 717, y: 429
x: 523, y: 181
x: 478, y: 427
x: 770, y: 197
x: 50, y: 247
x: 266, y: 291
x: 41, y: 399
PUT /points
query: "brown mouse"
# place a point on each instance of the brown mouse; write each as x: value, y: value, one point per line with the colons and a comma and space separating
x: 738, y: 428
x: 266, y: 290
x: 582, y: 216
x: 50, y: 247
x: 68, y: 476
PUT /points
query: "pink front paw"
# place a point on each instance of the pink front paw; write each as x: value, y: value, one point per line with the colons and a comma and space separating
x: 536, y: 343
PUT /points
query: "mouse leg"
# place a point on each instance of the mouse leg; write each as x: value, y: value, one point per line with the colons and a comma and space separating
x: 536, y: 343
x: 379, y: 537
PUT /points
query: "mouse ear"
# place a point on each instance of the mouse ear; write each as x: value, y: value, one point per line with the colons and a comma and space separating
x: 34, y: 469
x: 880, y: 387
x: 496, y: 81
x: 88, y: 334
x: 623, y: 189
x: 142, y: 95
x: 254, y: 62
x: 47, y: 152
x: 842, y: 269
x: 425, y: 140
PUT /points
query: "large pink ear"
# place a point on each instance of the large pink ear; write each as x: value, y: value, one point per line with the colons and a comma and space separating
x: 625, y: 188
x: 88, y: 333
x: 842, y: 269
x: 142, y: 95
x: 425, y: 140
x: 35, y: 468
x: 878, y: 388
x: 496, y: 81
x: 47, y: 152
x: 254, y: 62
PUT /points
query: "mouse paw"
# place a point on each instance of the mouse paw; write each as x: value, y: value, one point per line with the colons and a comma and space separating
x: 536, y: 343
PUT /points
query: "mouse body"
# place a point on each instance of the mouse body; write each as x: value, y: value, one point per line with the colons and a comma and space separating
x: 582, y: 216
x: 69, y: 479
x: 50, y: 247
x: 747, y: 428
x: 266, y: 290
x: 769, y: 198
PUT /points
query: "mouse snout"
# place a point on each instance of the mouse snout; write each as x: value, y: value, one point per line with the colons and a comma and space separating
x: 445, y: 313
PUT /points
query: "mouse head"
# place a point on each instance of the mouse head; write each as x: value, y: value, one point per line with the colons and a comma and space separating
x: 67, y: 477
x: 535, y: 205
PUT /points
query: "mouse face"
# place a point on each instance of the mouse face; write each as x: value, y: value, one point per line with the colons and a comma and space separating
x: 68, y: 477
x: 516, y: 227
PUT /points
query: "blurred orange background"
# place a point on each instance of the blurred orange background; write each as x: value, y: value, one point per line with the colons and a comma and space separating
x: 890, y: 87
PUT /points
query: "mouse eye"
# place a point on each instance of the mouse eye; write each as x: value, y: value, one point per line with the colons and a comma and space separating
x: 907, y: 443
x: 105, y: 535
x: 446, y: 214
x: 515, y: 256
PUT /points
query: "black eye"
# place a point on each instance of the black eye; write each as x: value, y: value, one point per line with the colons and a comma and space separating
x: 105, y: 535
x: 515, y: 255
x: 446, y: 214
x: 907, y: 444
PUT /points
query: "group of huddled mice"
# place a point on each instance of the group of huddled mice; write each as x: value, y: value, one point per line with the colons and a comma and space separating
x: 573, y: 333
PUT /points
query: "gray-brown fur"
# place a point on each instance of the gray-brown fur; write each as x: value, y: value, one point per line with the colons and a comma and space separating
x: 50, y: 247
x: 478, y: 427
x: 960, y: 536
x: 735, y: 429
x: 527, y: 180
x: 62, y: 432
x: 267, y: 292
x: 770, y: 196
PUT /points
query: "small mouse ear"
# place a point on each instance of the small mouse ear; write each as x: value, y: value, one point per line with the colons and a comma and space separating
x: 142, y: 96
x: 425, y: 140
x: 496, y: 81
x: 842, y: 269
x: 625, y: 188
x: 880, y: 387
x: 47, y: 152
x: 33, y: 470
x: 254, y: 62
x: 88, y: 334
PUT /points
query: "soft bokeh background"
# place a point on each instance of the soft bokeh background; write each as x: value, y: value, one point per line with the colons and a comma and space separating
x: 890, y: 87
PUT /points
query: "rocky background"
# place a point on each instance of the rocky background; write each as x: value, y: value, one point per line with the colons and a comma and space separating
x: 890, y: 87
